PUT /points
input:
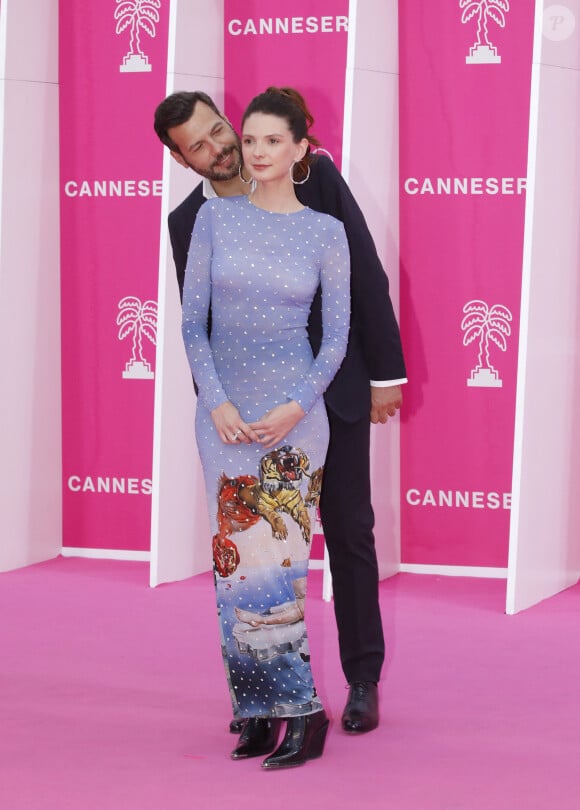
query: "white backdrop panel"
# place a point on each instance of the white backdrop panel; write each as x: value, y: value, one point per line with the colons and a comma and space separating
x: 373, y: 176
x: 545, y: 528
x: 179, y: 521
x: 30, y: 406
x: 32, y: 40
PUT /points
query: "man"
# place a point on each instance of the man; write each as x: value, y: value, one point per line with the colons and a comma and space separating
x: 368, y: 382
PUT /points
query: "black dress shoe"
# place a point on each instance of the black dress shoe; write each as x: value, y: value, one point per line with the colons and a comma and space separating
x: 259, y: 737
x: 304, y: 740
x: 237, y: 726
x: 361, y: 712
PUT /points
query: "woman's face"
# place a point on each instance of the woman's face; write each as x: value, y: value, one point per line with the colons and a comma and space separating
x: 268, y: 147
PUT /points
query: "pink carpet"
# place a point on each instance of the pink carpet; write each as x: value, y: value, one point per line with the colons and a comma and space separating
x: 113, y: 698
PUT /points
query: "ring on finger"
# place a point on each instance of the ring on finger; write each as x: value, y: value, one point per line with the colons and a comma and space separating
x: 235, y: 435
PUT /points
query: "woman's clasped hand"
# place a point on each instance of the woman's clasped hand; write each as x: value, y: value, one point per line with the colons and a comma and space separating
x: 270, y: 430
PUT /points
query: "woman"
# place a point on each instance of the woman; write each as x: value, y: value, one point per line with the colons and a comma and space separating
x: 261, y: 424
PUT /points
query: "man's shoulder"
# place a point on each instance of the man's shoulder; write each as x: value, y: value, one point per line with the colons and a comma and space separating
x: 326, y: 188
x: 322, y: 167
x: 189, y: 206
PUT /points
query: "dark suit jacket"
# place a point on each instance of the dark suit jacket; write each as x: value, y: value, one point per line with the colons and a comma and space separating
x: 374, y: 348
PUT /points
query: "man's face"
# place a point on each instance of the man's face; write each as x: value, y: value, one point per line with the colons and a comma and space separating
x: 207, y: 144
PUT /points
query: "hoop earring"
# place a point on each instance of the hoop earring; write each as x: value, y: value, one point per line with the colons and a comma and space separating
x: 247, y: 182
x: 298, y: 182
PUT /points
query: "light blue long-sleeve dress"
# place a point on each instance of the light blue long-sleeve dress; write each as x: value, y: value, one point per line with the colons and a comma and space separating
x: 258, y: 272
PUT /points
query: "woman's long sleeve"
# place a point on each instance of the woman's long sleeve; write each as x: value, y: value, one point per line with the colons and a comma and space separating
x: 335, y: 284
x: 196, y: 307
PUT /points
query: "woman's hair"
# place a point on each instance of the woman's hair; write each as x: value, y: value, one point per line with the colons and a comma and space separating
x: 287, y: 103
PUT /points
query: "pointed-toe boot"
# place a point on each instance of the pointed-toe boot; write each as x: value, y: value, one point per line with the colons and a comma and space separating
x: 259, y: 736
x: 237, y: 726
x: 304, y: 740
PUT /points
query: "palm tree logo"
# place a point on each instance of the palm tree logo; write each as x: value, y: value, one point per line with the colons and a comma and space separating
x: 138, y: 320
x: 482, y: 51
x: 138, y: 15
x: 489, y: 324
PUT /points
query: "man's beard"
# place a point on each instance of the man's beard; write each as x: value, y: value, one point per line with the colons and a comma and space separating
x: 216, y: 172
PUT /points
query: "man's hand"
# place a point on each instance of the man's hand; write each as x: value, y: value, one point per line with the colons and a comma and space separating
x: 385, y: 402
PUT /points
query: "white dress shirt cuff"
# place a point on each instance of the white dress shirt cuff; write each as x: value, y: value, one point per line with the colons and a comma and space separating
x: 387, y: 383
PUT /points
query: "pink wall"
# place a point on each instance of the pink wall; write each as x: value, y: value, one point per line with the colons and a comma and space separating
x: 456, y: 438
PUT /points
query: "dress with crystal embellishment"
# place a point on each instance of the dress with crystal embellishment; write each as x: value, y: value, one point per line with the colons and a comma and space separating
x: 259, y: 271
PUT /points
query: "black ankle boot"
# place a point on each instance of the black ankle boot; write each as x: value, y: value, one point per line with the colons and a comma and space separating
x: 259, y: 736
x: 304, y: 740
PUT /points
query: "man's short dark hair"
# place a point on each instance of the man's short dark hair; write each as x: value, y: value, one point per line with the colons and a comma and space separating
x: 176, y: 109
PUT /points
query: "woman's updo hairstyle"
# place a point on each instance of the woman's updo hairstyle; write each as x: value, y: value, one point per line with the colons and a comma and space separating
x: 287, y: 103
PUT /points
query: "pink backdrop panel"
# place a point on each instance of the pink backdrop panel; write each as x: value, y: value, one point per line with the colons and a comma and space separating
x: 465, y: 73
x: 113, y: 59
x: 300, y: 43
x: 296, y: 43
